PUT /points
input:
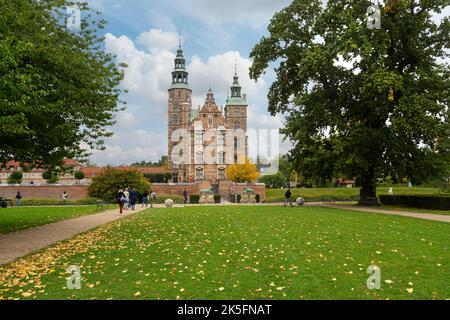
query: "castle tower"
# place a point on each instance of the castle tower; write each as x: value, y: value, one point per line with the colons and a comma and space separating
x: 179, y: 111
x: 236, y: 114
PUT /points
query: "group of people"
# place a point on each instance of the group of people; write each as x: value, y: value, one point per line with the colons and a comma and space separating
x: 129, y: 197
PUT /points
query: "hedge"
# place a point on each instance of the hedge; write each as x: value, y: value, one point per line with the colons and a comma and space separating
x: 57, y: 202
x: 161, y: 199
x: 421, y: 202
x: 194, y: 199
x: 324, y: 198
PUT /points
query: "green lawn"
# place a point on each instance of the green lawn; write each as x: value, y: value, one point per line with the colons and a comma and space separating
x: 15, y: 219
x: 343, y: 194
x: 242, y: 253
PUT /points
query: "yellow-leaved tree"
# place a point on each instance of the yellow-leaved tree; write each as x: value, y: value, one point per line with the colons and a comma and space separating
x: 243, y: 172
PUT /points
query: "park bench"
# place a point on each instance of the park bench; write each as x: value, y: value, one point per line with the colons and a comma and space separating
x: 4, y: 202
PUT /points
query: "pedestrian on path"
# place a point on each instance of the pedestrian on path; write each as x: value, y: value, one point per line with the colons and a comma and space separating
x: 126, y: 193
x: 152, y: 198
x: 18, y: 199
x: 145, y: 199
x: 133, y: 199
x: 65, y: 196
x: 121, y: 200
x: 185, y: 196
x: 288, y: 196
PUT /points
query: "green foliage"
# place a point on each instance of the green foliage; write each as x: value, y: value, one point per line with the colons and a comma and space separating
x: 79, y: 175
x: 161, y: 163
x: 162, y: 199
x: 414, y: 201
x: 57, y: 202
x: 385, y: 114
x: 50, y: 176
x: 158, y: 177
x: 58, y: 88
x: 15, y: 177
x: 106, y: 185
x: 194, y: 199
x: 274, y: 181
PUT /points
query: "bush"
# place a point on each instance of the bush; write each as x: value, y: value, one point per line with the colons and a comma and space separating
x: 51, y: 177
x: 106, y: 185
x: 217, y: 198
x: 79, y: 175
x: 194, y: 199
x: 57, y: 202
x: 421, y: 202
x: 274, y: 181
x: 15, y: 177
x: 158, y: 177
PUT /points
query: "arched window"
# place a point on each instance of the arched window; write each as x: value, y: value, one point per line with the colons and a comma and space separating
x: 210, y: 120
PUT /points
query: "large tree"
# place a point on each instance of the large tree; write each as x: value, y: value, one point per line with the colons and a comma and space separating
x: 59, y: 90
x: 361, y: 102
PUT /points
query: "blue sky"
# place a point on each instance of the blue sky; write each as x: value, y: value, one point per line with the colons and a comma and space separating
x: 215, y: 33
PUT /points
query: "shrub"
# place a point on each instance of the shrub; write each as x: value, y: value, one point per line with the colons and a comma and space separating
x: 245, y: 172
x: 161, y: 199
x: 274, y: 181
x: 158, y: 177
x: 413, y: 201
x: 51, y: 177
x: 217, y: 198
x: 194, y: 199
x: 15, y: 177
x: 79, y: 175
x: 106, y: 185
x: 57, y: 202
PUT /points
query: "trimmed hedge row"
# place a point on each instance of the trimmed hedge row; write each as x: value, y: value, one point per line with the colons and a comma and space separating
x: 420, y: 202
x: 327, y: 198
x: 55, y: 202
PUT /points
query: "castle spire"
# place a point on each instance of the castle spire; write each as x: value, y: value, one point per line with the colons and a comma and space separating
x: 180, y: 74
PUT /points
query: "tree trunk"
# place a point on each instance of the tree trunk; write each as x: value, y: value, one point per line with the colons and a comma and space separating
x: 368, y: 191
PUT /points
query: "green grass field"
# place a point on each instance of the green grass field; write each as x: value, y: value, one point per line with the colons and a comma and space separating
x: 242, y: 253
x: 15, y: 219
x: 341, y: 194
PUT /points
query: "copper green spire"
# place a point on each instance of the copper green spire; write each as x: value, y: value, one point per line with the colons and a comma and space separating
x: 180, y: 75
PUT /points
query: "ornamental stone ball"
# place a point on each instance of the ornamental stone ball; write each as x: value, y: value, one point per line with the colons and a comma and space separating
x: 300, y: 201
x: 169, y: 203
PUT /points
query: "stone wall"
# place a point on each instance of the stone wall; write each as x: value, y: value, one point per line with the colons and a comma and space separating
x: 81, y: 191
x: 44, y: 192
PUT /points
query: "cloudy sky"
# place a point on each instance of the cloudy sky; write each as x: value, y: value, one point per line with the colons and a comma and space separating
x: 144, y: 34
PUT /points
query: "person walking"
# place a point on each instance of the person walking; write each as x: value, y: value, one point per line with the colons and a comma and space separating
x: 120, y: 197
x: 65, y: 196
x: 152, y: 198
x: 145, y: 199
x: 126, y: 193
x: 185, y: 196
x: 18, y: 199
x: 288, y: 196
x: 133, y: 198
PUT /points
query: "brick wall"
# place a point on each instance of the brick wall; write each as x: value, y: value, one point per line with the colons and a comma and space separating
x: 81, y: 191
x: 44, y: 192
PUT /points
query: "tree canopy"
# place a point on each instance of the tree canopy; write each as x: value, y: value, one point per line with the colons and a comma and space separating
x: 361, y: 102
x: 242, y: 172
x: 59, y: 90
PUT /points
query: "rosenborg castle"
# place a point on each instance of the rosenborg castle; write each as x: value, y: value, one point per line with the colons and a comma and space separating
x: 203, y: 141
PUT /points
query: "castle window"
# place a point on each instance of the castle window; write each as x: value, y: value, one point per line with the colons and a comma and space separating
x: 221, y: 158
x: 221, y: 138
x: 210, y: 120
x: 221, y: 174
x: 199, y: 157
x: 198, y: 137
x: 199, y: 175
x: 176, y: 108
x: 175, y: 119
x: 237, y: 124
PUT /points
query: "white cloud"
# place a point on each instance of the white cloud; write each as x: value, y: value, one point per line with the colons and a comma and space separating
x: 156, y: 39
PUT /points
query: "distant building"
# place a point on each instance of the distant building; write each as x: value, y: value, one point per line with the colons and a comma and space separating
x: 210, y: 138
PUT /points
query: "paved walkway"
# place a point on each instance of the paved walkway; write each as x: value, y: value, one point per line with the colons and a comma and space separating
x: 425, y: 216
x: 21, y: 243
